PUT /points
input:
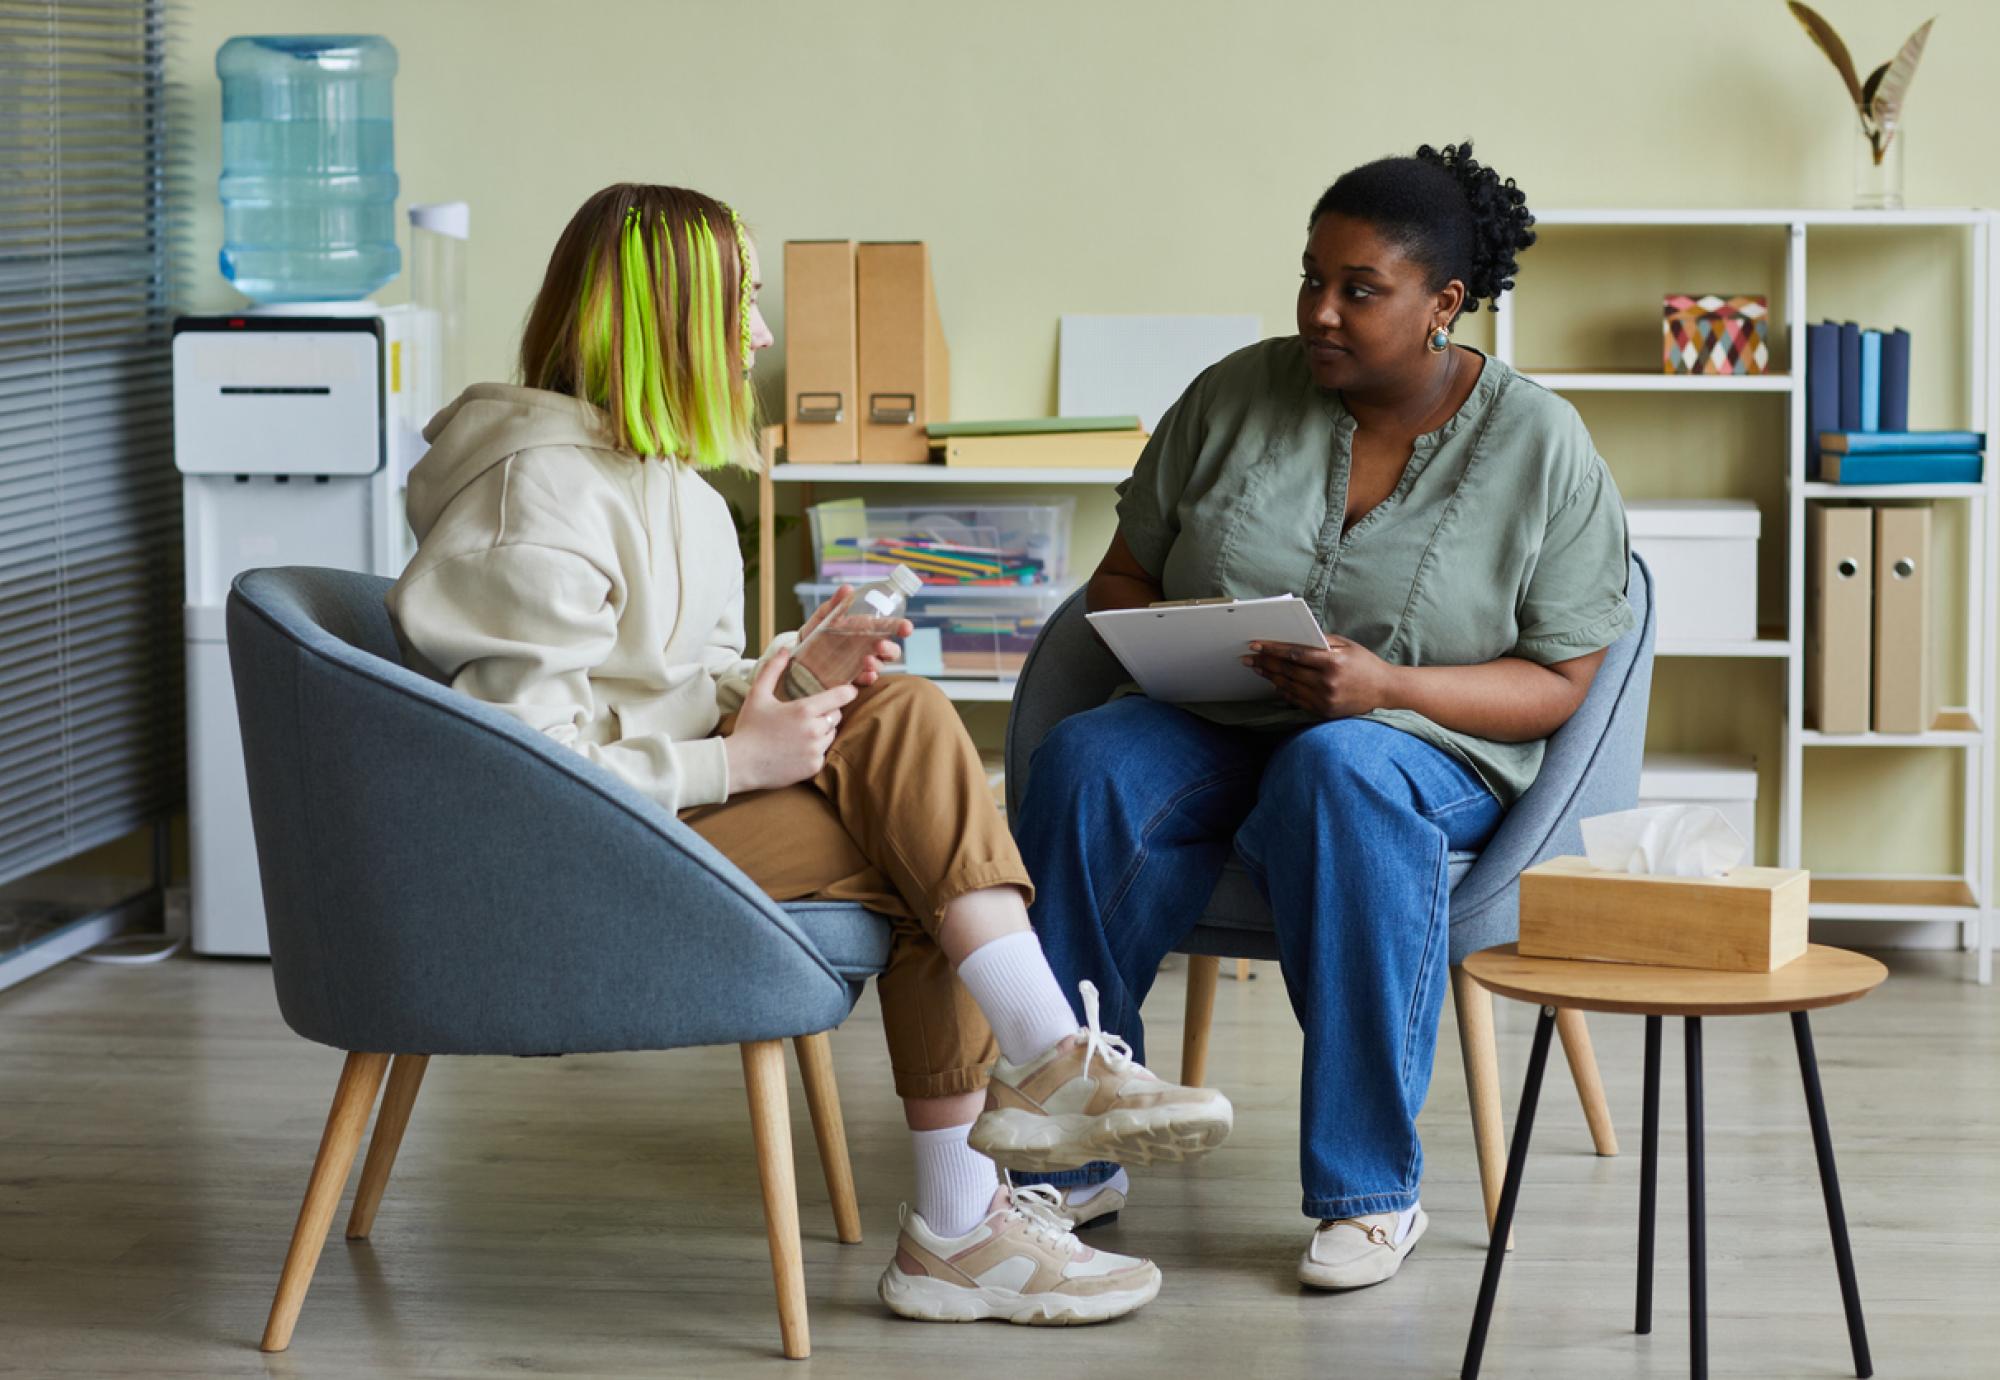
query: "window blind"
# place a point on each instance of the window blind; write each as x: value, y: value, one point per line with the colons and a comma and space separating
x: 91, y: 720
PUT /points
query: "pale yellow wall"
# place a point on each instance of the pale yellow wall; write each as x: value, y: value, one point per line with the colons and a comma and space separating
x: 1085, y: 156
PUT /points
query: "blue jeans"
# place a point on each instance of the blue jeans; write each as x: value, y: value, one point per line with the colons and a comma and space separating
x: 1131, y: 812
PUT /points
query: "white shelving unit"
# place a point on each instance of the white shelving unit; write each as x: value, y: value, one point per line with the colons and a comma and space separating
x: 1720, y: 647
x: 1965, y: 897
x: 1622, y: 381
x: 938, y: 474
x: 975, y: 689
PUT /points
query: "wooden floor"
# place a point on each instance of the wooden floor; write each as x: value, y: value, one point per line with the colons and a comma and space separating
x: 599, y: 1216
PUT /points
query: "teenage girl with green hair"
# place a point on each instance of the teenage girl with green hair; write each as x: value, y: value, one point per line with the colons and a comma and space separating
x: 576, y: 571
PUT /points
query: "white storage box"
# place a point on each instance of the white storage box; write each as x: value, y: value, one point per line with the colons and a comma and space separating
x: 1703, y: 554
x: 992, y: 545
x: 975, y: 631
x: 1727, y: 783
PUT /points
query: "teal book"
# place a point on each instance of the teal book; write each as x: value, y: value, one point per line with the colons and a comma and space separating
x: 1871, y: 380
x: 1922, y: 468
x: 1901, y: 442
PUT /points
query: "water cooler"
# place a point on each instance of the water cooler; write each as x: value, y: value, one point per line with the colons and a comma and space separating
x: 294, y: 430
x: 296, y: 421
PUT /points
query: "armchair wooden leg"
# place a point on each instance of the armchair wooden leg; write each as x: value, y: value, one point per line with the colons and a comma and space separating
x: 406, y: 1075
x: 1203, y: 970
x: 1589, y: 1087
x: 1482, y: 1087
x: 360, y: 1079
x: 771, y: 1128
x: 830, y: 1130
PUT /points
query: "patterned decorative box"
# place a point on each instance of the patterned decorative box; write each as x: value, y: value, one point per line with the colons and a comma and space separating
x: 1716, y: 335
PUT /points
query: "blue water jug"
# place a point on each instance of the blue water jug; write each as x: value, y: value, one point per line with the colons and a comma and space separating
x: 308, y: 166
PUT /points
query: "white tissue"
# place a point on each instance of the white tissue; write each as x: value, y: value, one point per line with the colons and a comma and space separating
x: 1664, y: 841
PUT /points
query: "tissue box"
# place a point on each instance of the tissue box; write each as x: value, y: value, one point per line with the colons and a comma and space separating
x: 1715, y: 335
x: 1750, y: 920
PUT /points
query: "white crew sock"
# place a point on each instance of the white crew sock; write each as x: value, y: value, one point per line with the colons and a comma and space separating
x: 1011, y: 981
x: 955, y: 1183
x: 1405, y: 1219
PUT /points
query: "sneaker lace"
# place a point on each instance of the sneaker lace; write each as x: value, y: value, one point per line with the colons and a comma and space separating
x: 1113, y: 1051
x: 1040, y: 1206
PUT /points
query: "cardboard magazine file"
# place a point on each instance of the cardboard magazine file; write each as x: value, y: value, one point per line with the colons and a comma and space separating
x: 821, y: 418
x: 1749, y: 920
x: 1905, y: 693
x: 1840, y: 617
x: 905, y: 378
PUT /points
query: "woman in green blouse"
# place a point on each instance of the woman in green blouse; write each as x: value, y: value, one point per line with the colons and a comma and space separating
x: 1463, y: 545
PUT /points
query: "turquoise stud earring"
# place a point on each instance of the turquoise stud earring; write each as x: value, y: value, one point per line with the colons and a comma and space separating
x: 1440, y: 340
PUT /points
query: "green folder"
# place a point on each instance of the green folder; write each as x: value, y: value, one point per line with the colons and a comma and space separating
x: 1031, y: 426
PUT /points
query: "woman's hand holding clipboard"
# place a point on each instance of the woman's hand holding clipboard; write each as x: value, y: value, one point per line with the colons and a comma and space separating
x: 1333, y: 679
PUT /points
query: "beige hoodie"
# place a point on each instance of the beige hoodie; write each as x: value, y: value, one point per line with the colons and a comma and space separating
x: 593, y: 595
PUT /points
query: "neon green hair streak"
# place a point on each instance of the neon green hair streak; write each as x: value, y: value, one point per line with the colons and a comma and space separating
x: 672, y: 379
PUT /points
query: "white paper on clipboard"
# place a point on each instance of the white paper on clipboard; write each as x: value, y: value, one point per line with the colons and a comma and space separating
x: 1194, y: 653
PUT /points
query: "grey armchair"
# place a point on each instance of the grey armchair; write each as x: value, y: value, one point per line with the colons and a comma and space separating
x: 1592, y: 767
x: 439, y: 879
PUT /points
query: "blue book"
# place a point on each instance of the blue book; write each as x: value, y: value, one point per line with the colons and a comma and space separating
x: 1923, y: 468
x: 1850, y: 376
x: 1822, y: 387
x: 1871, y: 380
x: 1902, y: 442
x: 1896, y: 380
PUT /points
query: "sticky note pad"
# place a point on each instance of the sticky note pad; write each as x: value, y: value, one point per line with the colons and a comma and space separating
x: 841, y: 519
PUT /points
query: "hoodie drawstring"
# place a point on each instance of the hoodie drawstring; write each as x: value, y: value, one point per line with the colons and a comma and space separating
x: 674, y: 478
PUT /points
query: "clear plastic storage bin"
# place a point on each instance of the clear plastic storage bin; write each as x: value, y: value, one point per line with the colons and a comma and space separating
x: 997, y: 546
x: 974, y: 631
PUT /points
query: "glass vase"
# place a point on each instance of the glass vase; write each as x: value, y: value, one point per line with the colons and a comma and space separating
x: 1878, y: 166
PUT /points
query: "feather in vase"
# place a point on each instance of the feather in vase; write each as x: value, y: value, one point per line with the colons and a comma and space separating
x: 1878, y: 100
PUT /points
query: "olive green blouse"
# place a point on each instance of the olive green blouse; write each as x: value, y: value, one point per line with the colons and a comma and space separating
x: 1504, y: 537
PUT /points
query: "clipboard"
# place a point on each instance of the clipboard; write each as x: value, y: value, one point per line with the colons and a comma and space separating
x: 1192, y: 653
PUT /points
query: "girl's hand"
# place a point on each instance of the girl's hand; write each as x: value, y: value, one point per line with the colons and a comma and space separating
x: 781, y: 742
x: 1338, y: 681
x: 884, y: 654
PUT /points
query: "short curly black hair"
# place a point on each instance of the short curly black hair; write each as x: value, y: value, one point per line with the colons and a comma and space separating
x: 1446, y: 210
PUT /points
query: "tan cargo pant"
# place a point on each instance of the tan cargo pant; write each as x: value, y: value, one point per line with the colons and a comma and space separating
x: 900, y: 821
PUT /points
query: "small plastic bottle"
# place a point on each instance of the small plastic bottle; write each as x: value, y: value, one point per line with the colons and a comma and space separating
x: 832, y: 653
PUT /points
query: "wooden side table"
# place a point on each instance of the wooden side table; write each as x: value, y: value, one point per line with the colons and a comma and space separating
x: 1824, y: 977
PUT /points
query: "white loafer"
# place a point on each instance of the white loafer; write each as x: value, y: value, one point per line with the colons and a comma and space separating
x: 1355, y: 1252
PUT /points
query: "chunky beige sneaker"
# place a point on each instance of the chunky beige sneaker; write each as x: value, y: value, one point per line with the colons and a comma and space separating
x: 1022, y: 1264
x: 1097, y: 1206
x: 1355, y: 1252
x: 1087, y: 1099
